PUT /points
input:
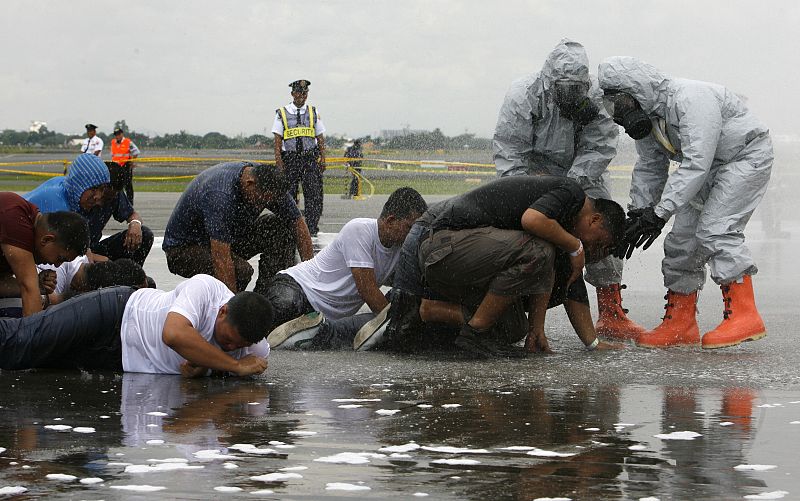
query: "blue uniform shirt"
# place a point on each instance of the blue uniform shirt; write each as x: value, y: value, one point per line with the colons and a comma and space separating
x: 212, y: 207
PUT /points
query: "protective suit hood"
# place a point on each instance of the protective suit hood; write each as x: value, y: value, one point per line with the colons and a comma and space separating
x: 567, y: 61
x: 87, y: 171
x: 642, y: 81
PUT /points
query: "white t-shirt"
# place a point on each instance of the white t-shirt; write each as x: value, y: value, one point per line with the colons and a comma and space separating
x: 327, y: 279
x: 92, y: 145
x: 198, y: 299
x: 277, y: 125
x: 65, y: 273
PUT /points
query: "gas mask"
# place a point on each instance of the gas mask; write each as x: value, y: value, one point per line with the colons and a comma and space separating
x: 627, y: 112
x: 573, y: 101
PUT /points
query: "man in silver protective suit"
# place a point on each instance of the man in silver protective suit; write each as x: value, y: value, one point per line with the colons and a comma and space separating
x: 553, y: 122
x: 724, y: 157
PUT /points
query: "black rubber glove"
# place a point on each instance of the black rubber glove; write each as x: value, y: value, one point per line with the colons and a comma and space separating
x: 643, y: 231
x: 625, y: 248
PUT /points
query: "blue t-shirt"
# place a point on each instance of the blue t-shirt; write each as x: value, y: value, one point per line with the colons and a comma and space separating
x: 120, y: 207
x: 212, y: 207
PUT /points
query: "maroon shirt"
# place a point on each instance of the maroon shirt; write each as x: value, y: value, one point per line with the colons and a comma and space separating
x: 17, y: 218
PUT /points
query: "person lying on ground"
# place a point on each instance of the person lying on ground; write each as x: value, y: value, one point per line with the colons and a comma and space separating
x: 343, y: 277
x: 198, y: 327
x: 28, y: 238
x: 217, y: 226
x: 480, y: 259
x: 81, y: 275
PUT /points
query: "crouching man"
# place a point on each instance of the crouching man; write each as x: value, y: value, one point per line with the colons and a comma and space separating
x: 479, y: 260
x: 324, y: 294
x: 198, y: 327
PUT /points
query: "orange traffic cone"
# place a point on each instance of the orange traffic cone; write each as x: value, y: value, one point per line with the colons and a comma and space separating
x: 679, y: 326
x: 612, y: 320
x: 741, y: 320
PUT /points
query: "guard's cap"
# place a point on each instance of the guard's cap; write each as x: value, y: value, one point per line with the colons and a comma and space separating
x: 118, y: 129
x: 300, y: 85
x: 91, y: 127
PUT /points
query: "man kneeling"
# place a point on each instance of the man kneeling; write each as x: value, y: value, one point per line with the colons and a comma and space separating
x: 200, y: 326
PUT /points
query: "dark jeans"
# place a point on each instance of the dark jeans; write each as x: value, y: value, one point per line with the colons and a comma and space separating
x: 407, y: 273
x: 353, y: 189
x: 271, y: 237
x: 113, y: 247
x: 339, y: 334
x: 82, y: 332
x: 303, y: 168
x: 287, y: 298
x: 125, y: 173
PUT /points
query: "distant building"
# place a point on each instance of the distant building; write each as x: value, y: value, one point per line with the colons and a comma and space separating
x: 36, y: 126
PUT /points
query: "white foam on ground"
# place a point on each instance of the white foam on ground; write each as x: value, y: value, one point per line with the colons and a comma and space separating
x: 387, y: 412
x: 424, y: 406
x: 465, y: 462
x: 679, y: 435
x: 356, y: 400
x: 155, y: 441
x: 382, y: 384
x: 553, y: 499
x: 755, y: 467
x: 454, y: 450
x: 251, y: 449
x: 624, y: 425
x: 276, y: 477
x: 768, y: 495
x: 105, y: 417
x: 794, y: 422
x: 91, y: 480
x: 118, y: 464
x: 420, y: 494
x: 159, y: 467
x: 411, y: 446
x: 451, y: 406
x: 213, y: 454
x: 350, y: 458
x: 294, y: 468
x: 10, y: 490
x: 168, y: 460
x: 157, y: 413
x: 226, y: 488
x: 301, y: 433
x: 230, y: 466
x: 523, y: 448
x: 84, y: 429
x: 549, y: 454
x: 638, y: 447
x: 253, y: 403
x: 138, y: 488
x: 341, y: 486
x: 399, y: 455
x: 350, y: 406
x: 726, y: 423
x: 262, y: 492
x: 57, y: 427
x: 649, y: 499
x: 60, y: 477
x: 591, y: 429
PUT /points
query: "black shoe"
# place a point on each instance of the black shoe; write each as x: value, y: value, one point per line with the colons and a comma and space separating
x: 476, y: 343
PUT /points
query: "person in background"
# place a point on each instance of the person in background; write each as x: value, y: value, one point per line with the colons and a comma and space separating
x: 725, y: 161
x: 553, y: 122
x: 28, y: 238
x: 123, y: 150
x: 354, y: 151
x: 300, y: 150
x: 93, y: 144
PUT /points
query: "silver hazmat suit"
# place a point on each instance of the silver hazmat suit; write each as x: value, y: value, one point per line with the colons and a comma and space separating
x: 532, y: 137
x: 725, y: 159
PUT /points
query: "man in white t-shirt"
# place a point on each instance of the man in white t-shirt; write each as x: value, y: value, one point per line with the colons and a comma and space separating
x: 92, y: 145
x: 343, y: 277
x: 79, y: 276
x: 200, y: 326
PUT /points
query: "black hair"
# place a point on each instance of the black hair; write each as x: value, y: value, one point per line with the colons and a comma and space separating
x: 111, y: 273
x: 403, y: 203
x: 70, y: 230
x: 613, y: 218
x: 270, y: 179
x: 251, y: 314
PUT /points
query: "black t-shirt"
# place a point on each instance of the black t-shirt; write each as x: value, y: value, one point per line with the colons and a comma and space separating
x: 501, y: 203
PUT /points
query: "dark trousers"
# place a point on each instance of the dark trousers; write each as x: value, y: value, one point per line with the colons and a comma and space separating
x: 113, y: 247
x: 82, y: 332
x: 271, y: 237
x: 353, y: 189
x: 126, y: 175
x: 303, y: 168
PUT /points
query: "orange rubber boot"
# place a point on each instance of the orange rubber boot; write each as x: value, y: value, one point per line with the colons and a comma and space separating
x: 741, y: 320
x: 679, y: 326
x: 612, y: 320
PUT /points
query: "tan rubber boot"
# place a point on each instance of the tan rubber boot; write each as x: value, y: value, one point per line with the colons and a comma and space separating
x: 679, y: 326
x: 741, y: 320
x: 612, y: 320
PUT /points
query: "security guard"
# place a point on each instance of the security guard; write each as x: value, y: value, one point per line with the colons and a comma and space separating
x: 300, y: 150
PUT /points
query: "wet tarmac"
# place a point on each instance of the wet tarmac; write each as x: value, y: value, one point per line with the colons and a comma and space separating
x: 629, y: 424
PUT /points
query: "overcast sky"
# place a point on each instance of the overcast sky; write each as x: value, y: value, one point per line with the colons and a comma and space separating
x: 225, y: 65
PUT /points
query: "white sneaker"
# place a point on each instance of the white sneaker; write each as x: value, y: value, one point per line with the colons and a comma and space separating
x: 296, y: 334
x: 371, y: 334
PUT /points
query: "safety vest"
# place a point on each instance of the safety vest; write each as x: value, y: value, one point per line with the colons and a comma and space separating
x: 299, y: 130
x: 121, y: 150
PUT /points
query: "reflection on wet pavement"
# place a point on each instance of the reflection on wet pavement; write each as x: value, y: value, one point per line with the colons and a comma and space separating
x: 363, y: 434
